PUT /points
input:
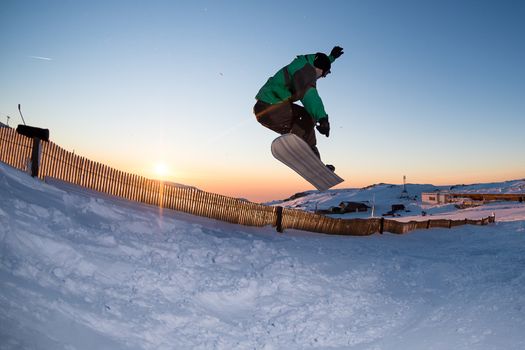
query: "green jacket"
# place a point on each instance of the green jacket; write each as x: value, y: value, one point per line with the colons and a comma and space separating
x: 297, y: 81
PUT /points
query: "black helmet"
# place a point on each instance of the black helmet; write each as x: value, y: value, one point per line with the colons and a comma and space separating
x: 322, y: 62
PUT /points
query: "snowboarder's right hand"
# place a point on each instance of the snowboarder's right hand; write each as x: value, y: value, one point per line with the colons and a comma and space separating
x: 324, y: 126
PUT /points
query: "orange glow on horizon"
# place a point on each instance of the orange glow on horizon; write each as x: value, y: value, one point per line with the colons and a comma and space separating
x: 280, y: 183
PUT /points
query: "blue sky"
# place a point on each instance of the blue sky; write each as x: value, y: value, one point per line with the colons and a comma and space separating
x: 434, y: 90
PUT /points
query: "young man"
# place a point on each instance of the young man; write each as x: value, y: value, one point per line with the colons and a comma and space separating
x: 275, y: 107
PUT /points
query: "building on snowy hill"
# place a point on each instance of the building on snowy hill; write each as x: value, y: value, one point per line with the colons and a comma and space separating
x: 396, y: 208
x: 437, y: 197
x: 345, y: 207
x: 472, y: 198
x: 353, y: 207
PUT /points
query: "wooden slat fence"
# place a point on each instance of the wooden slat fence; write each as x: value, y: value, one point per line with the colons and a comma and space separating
x: 55, y: 162
x: 15, y: 150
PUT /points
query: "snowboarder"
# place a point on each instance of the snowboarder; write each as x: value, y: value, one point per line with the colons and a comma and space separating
x: 275, y: 107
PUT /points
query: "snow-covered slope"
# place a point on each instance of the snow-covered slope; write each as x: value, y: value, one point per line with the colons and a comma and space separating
x: 381, y: 197
x: 84, y: 271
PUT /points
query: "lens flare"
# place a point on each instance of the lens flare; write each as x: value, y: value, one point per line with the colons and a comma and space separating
x: 161, y: 169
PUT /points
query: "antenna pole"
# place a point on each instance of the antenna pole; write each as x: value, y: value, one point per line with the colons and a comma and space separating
x: 20, y: 111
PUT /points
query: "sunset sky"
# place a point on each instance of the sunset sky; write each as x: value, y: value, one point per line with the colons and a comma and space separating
x: 434, y: 90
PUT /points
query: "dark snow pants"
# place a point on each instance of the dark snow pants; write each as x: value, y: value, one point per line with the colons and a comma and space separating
x: 287, y: 117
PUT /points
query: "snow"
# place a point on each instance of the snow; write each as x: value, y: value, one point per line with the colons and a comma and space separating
x: 382, y: 196
x: 80, y: 270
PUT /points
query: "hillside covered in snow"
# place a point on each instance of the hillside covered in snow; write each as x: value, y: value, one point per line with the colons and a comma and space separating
x: 80, y: 270
x: 379, y: 199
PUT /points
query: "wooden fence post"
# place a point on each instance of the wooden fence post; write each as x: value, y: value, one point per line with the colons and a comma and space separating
x: 279, y: 219
x: 35, y: 157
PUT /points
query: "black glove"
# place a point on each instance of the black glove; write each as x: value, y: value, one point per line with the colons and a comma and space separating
x: 324, y: 126
x: 337, y: 51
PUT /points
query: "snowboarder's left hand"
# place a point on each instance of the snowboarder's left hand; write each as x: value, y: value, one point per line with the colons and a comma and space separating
x: 337, y: 51
x: 324, y: 126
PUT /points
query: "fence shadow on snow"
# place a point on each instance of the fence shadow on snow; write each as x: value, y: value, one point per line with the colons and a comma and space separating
x: 55, y: 162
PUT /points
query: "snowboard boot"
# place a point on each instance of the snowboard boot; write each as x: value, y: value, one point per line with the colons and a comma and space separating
x: 331, y: 167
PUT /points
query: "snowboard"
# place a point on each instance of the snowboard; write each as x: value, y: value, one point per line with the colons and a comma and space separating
x: 295, y: 153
